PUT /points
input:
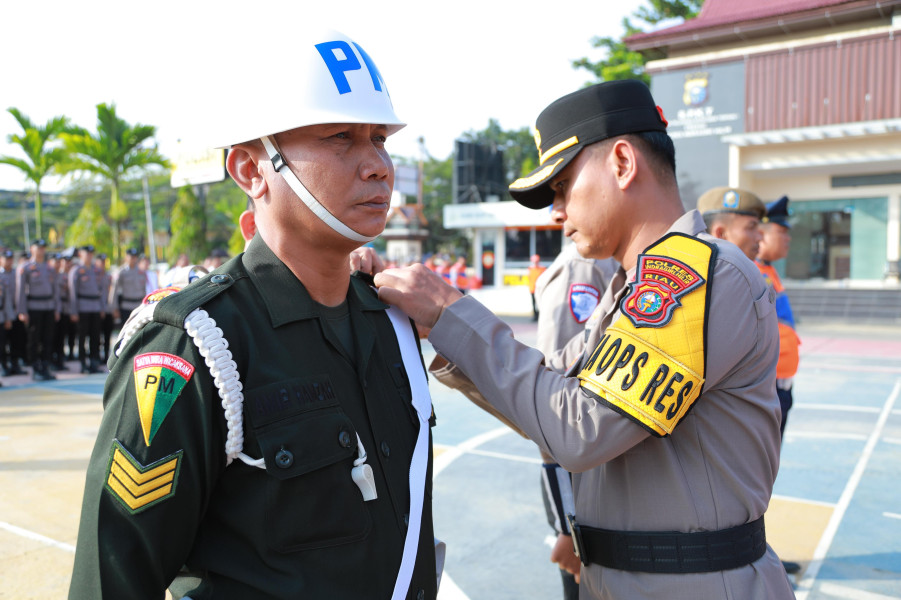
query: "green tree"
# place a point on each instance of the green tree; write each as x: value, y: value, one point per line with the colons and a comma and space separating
x: 90, y: 227
x: 112, y: 153
x: 188, y: 236
x: 40, y: 158
x: 621, y: 63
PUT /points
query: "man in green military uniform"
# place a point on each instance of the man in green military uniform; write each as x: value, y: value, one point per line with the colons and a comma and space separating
x: 266, y: 433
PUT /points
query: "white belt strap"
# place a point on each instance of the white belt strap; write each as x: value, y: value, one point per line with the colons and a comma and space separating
x: 282, y: 167
x: 422, y: 402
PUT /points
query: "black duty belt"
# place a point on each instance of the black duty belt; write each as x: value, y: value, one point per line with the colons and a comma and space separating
x: 29, y: 297
x: 670, y: 552
x: 83, y: 297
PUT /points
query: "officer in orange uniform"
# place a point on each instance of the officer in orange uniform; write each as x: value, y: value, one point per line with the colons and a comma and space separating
x: 535, y: 270
x: 774, y: 246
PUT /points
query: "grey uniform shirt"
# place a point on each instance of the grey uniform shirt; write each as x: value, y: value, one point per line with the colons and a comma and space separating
x: 35, y: 287
x: 567, y: 294
x: 715, y: 471
x: 86, y: 291
x: 129, y: 289
x: 7, y: 296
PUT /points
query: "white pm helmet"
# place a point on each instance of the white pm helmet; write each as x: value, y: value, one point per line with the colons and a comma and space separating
x: 329, y: 79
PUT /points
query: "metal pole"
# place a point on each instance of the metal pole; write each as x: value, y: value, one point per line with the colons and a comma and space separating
x: 25, y: 221
x: 149, y: 224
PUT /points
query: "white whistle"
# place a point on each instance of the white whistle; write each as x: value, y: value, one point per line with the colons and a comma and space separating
x: 362, y: 474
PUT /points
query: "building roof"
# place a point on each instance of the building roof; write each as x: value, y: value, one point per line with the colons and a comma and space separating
x: 724, y: 20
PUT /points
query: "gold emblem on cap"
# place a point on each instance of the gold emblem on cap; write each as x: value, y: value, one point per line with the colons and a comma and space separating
x: 538, y: 142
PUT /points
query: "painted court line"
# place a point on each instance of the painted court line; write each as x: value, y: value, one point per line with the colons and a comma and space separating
x: 806, y: 584
x: 36, y: 537
x: 846, y: 593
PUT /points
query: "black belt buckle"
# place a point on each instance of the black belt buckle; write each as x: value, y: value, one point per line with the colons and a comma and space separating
x: 576, y: 532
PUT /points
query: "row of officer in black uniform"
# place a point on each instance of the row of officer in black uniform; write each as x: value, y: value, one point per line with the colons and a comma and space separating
x: 54, y: 308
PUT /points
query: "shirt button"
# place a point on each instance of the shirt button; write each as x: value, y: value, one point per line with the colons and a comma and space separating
x: 344, y: 439
x: 284, y: 458
x: 420, y: 595
x: 407, y: 519
x: 219, y: 278
x: 386, y: 449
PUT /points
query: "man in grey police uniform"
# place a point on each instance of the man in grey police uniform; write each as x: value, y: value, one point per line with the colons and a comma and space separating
x: 129, y: 288
x: 671, y: 423
x: 7, y: 314
x: 37, y: 302
x: 9, y: 360
x: 566, y: 294
x: 87, y: 305
x: 267, y: 433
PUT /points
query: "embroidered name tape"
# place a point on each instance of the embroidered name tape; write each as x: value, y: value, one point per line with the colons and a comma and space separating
x: 159, y: 379
x: 650, y: 364
x: 137, y: 486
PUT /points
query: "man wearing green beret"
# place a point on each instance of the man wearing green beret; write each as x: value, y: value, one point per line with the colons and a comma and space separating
x: 668, y: 417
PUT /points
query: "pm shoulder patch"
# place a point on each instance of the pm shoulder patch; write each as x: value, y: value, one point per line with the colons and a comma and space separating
x: 137, y: 486
x: 159, y: 379
x: 650, y: 364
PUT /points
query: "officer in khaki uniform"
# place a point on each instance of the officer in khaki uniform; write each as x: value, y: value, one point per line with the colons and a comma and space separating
x: 87, y: 305
x: 129, y: 288
x: 7, y: 315
x: 261, y: 435
x: 567, y: 294
x: 37, y: 301
x: 9, y: 362
x: 669, y: 421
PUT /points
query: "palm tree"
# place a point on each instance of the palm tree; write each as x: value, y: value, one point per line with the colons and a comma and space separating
x: 39, y: 160
x: 116, y: 149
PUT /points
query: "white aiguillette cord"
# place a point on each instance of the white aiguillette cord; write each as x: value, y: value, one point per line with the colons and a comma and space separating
x: 422, y: 402
x: 281, y: 166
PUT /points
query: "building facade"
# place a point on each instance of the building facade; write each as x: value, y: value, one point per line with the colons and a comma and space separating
x: 799, y: 98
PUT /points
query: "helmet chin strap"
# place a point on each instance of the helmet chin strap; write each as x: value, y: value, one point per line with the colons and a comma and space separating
x: 294, y: 183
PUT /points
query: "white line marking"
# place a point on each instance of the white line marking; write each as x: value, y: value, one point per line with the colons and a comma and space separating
x: 804, y: 500
x: 526, y: 459
x: 838, y: 407
x: 821, y: 366
x: 449, y: 589
x: 844, y: 501
x: 826, y: 435
x: 36, y: 537
x: 891, y: 515
x: 452, y: 453
x: 895, y: 441
x: 846, y: 593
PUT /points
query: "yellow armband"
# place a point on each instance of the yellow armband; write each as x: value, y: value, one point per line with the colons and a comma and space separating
x: 650, y: 364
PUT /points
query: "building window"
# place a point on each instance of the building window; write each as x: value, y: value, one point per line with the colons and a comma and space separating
x: 523, y: 242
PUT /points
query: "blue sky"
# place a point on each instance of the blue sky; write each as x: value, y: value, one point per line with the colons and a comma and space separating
x: 448, y: 72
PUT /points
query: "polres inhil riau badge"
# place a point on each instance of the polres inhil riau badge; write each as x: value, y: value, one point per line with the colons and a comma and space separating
x: 659, y: 283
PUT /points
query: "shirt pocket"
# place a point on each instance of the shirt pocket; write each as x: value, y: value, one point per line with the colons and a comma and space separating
x: 311, y: 500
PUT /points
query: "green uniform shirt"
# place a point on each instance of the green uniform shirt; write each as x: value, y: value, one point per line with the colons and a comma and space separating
x: 159, y: 496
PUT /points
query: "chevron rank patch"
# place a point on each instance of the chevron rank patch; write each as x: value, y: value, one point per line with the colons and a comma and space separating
x: 159, y: 379
x: 137, y: 486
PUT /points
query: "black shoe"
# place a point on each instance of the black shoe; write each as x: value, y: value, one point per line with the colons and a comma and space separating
x: 791, y: 567
x: 40, y: 376
x: 16, y: 370
x: 85, y: 370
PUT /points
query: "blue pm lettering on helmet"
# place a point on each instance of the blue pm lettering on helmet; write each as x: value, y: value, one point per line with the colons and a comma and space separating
x: 374, y: 73
x: 338, y: 66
